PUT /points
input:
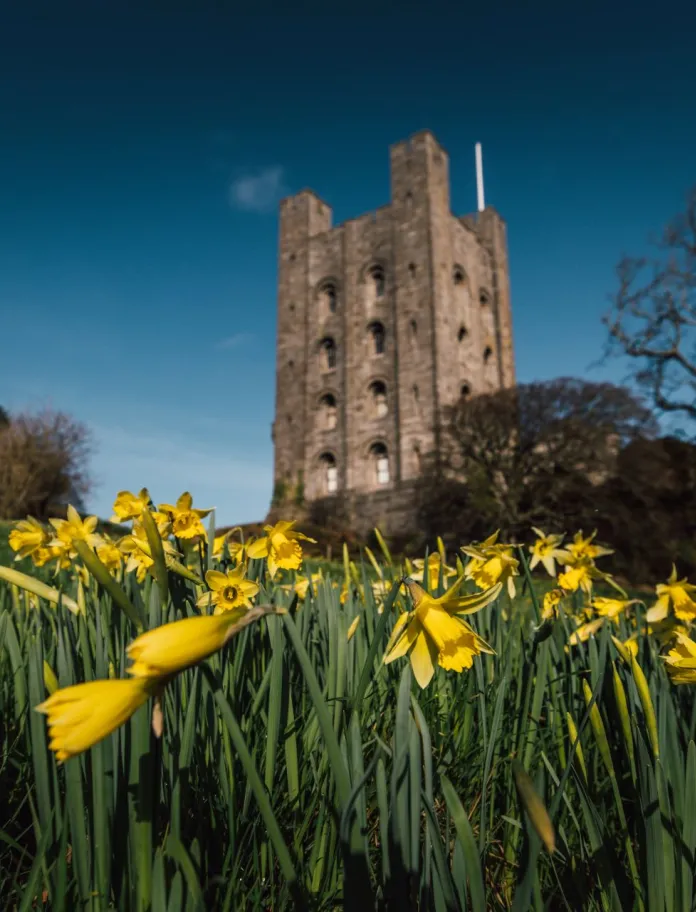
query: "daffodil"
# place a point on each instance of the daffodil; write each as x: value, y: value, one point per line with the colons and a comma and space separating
x: 676, y: 595
x: 136, y: 547
x: 229, y: 591
x: 435, y: 563
x: 584, y: 548
x: 130, y: 506
x: 168, y: 649
x: 552, y: 599
x: 301, y: 586
x: 434, y: 633
x: 681, y: 660
x: 579, y: 573
x: 545, y: 550
x: 628, y: 648
x: 491, y: 563
x: 186, y: 522
x: 74, y: 529
x: 110, y: 555
x: 353, y: 627
x: 28, y: 537
x: 612, y: 608
x: 83, y: 714
x: 280, y: 546
x: 666, y: 630
x: 583, y: 632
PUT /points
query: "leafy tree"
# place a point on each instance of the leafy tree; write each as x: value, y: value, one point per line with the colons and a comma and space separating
x: 652, y: 318
x: 43, y: 464
x: 527, y: 456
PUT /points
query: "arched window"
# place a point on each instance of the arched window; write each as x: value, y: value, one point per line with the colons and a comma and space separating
x: 458, y: 276
x: 376, y: 331
x: 378, y: 393
x: 417, y: 461
x: 328, y: 350
x: 328, y: 412
x: 329, y: 473
x: 380, y: 460
x: 465, y: 391
x: 487, y: 354
x: 412, y: 270
x: 484, y: 298
x: 375, y: 278
x: 328, y: 298
x: 461, y: 335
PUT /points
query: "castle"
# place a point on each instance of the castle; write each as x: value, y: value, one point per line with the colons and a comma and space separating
x: 383, y: 321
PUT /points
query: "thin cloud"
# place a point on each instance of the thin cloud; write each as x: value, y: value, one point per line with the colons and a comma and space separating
x: 258, y: 192
x: 237, y: 340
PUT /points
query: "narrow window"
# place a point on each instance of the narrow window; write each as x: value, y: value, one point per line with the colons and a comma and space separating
x: 461, y: 335
x: 376, y: 331
x: 487, y: 352
x: 380, y: 459
x: 465, y: 390
x: 378, y: 392
x: 328, y: 347
x: 417, y: 463
x: 412, y: 270
x: 329, y: 473
x: 328, y: 298
x: 376, y: 279
x: 483, y: 298
x: 329, y: 412
x: 458, y: 275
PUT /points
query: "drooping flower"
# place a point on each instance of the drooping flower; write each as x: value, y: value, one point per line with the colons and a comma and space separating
x: 83, y: 714
x: 136, y: 547
x: 584, y: 548
x: 491, y: 563
x: 552, y: 599
x: 579, y: 573
x: 168, y: 649
x: 681, y: 660
x: 74, y: 529
x: 130, y: 506
x: 280, y: 545
x: 546, y: 550
x: 676, y: 595
x: 186, y: 522
x: 435, y: 563
x: 628, y: 648
x: 612, y: 608
x: 229, y: 591
x: 28, y: 537
x: 583, y: 632
x: 435, y: 633
x: 110, y: 555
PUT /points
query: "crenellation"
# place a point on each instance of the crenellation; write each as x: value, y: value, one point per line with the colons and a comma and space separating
x: 383, y: 321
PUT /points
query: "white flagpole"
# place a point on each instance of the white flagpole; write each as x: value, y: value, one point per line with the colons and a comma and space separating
x: 479, y: 178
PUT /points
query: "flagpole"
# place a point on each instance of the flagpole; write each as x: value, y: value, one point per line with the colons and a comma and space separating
x: 479, y: 178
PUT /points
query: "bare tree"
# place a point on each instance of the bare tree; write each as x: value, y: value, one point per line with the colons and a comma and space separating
x: 43, y: 464
x: 520, y: 456
x: 653, y: 316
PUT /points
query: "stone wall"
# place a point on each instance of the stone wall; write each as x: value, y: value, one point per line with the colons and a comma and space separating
x: 382, y: 321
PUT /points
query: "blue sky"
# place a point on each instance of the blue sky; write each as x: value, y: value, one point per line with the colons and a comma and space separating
x: 143, y: 152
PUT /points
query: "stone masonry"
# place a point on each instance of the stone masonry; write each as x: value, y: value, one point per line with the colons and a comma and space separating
x: 382, y: 321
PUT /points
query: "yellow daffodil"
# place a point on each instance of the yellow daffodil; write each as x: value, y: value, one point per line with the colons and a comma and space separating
x: 229, y: 591
x: 353, y: 627
x: 82, y: 715
x: 579, y: 573
x: 612, y: 608
x: 681, y: 660
x: 43, y: 556
x: 582, y: 633
x: 628, y: 648
x: 280, y: 546
x: 130, y: 506
x: 435, y: 633
x: 552, y: 599
x: 434, y: 564
x: 27, y: 537
x: 109, y: 554
x: 74, y: 529
x: 136, y: 547
x: 546, y: 551
x: 186, y: 522
x: 301, y: 586
x: 169, y: 649
x: 676, y: 595
x: 585, y: 548
x: 666, y: 631
x: 491, y: 563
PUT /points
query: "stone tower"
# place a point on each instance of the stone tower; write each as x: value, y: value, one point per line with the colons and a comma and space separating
x: 382, y: 321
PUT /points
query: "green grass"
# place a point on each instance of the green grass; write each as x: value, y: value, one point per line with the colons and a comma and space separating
x: 298, y: 771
